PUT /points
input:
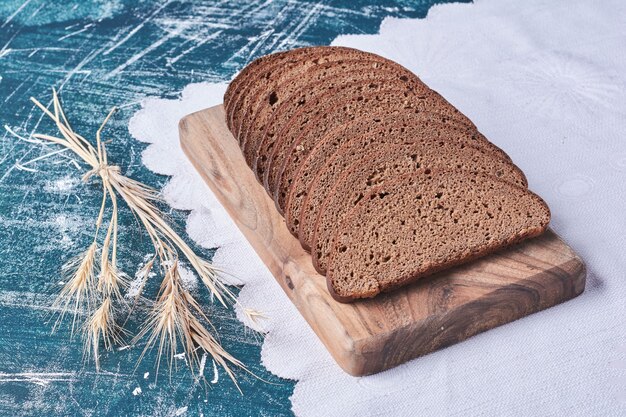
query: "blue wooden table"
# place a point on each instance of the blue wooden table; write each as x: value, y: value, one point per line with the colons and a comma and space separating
x: 102, y: 53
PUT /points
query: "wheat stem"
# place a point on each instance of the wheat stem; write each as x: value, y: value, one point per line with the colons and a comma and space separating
x: 176, y: 315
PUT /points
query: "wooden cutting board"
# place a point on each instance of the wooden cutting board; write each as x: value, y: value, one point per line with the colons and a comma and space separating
x: 370, y: 336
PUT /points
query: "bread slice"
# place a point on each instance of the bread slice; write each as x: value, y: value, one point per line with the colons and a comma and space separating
x: 249, y: 79
x: 330, y: 143
x: 243, y: 80
x: 271, y: 149
x: 308, y: 140
x: 264, y: 68
x: 333, y: 79
x: 256, y: 117
x: 243, y: 76
x: 423, y: 223
x: 264, y: 82
x: 309, y: 97
x: 417, y: 128
x: 312, y: 123
x: 372, y: 169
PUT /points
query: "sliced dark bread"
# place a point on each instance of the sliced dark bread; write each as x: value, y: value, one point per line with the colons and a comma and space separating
x: 333, y: 78
x: 423, y: 223
x: 243, y: 81
x: 324, y: 78
x: 286, y: 82
x: 309, y: 139
x: 363, y: 90
x: 242, y: 77
x: 311, y: 93
x: 263, y: 82
x: 327, y: 146
x: 373, y: 169
x: 248, y: 79
x: 310, y: 124
x: 317, y: 118
x: 417, y: 129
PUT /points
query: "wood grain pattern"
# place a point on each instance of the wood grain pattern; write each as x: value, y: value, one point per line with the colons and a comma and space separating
x: 370, y: 336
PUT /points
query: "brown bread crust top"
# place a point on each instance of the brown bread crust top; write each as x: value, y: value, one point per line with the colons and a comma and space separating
x: 266, y: 78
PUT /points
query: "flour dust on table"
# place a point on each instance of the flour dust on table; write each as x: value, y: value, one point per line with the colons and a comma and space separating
x: 546, y: 84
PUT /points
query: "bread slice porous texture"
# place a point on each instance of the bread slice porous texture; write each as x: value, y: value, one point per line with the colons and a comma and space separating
x: 245, y: 79
x: 255, y: 117
x: 274, y: 74
x: 295, y: 176
x: 309, y: 126
x: 356, y: 99
x: 385, y: 165
x: 422, y: 223
x: 418, y: 131
x: 325, y: 149
x: 242, y: 77
x: 343, y: 78
x: 320, y: 77
x: 260, y: 141
x: 297, y: 59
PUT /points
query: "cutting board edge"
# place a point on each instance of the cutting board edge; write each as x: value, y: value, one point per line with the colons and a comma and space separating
x: 360, y: 364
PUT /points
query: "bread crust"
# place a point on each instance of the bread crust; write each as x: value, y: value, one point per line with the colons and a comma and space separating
x: 347, y: 142
x: 532, y: 218
x: 423, y: 128
x: 386, y: 164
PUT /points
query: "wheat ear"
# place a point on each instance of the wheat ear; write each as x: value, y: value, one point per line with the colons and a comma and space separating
x: 176, y: 317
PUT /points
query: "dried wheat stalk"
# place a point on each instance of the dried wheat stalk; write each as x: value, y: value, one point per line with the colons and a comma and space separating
x: 96, y: 284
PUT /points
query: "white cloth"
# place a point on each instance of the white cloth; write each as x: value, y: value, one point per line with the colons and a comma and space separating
x: 546, y: 81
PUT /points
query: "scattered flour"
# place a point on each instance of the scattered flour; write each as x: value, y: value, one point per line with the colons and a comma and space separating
x: 62, y: 185
x: 189, y: 279
x: 181, y: 411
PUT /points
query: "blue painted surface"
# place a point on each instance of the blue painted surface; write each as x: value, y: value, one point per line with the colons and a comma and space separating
x: 101, y: 54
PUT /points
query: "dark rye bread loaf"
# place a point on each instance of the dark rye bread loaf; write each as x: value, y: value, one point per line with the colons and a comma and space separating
x: 381, y: 175
x: 272, y: 75
x: 337, y: 77
x: 414, y: 129
x: 330, y: 143
x: 372, y: 169
x: 422, y: 223
x: 259, y: 137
